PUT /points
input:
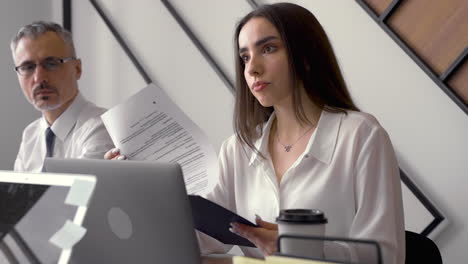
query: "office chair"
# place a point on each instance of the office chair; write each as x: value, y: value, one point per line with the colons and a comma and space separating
x: 421, y: 249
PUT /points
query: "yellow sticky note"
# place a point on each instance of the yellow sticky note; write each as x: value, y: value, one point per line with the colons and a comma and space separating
x: 246, y: 260
x: 287, y: 260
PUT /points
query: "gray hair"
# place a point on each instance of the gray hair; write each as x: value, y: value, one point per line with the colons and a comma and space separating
x: 39, y: 28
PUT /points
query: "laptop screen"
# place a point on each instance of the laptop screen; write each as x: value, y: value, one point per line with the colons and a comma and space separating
x: 30, y: 214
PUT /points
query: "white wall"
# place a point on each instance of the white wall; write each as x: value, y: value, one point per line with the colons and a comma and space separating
x: 15, y: 111
x: 165, y: 52
x: 428, y: 130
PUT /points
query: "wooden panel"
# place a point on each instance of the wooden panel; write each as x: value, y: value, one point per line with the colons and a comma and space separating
x: 459, y: 81
x: 436, y: 30
x: 378, y: 5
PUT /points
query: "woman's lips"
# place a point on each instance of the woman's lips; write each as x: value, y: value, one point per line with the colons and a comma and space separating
x: 258, y: 86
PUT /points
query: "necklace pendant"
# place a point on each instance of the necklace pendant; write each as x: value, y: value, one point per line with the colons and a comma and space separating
x: 287, y: 148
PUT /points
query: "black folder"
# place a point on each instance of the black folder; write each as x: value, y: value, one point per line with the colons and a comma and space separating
x: 214, y: 220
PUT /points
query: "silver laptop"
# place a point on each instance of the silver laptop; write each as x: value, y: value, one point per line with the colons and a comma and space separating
x: 32, y: 211
x: 139, y: 213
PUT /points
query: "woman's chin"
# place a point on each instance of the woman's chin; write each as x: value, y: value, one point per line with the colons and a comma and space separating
x: 264, y: 102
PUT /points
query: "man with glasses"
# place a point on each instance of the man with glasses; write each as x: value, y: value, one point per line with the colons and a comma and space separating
x: 48, y: 71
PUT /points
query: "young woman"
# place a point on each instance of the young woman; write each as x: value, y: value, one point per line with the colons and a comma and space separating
x: 300, y: 141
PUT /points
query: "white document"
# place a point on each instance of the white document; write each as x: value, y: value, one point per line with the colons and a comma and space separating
x: 149, y: 126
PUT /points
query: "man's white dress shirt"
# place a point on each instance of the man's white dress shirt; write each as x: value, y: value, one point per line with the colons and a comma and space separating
x: 348, y: 170
x: 79, y: 133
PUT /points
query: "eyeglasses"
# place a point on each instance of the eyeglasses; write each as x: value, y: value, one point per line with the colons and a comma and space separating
x: 48, y: 64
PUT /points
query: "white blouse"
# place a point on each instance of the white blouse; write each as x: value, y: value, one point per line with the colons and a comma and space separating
x: 348, y: 170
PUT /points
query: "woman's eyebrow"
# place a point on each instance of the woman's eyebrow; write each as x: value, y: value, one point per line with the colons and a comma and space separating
x: 259, y: 43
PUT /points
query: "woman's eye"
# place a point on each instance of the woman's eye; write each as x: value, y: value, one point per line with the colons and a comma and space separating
x: 244, y: 58
x: 269, y: 49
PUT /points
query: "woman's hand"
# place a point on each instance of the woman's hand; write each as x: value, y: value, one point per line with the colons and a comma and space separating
x: 264, y: 236
x: 114, y: 154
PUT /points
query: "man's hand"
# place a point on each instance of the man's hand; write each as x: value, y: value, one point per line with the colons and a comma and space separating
x: 264, y: 236
x: 114, y: 154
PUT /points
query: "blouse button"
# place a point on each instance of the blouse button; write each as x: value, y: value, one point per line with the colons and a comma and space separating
x: 306, y: 155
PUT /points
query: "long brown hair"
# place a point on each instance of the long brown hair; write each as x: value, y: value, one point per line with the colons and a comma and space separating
x: 312, y: 62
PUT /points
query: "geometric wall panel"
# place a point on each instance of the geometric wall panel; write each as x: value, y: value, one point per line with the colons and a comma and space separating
x: 421, y: 215
x: 432, y: 33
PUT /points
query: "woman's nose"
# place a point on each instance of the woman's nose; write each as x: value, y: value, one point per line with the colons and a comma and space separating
x: 254, y: 66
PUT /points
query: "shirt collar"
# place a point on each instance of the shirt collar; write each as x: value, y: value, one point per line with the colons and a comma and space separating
x: 67, y: 120
x: 262, y: 143
x: 321, y: 144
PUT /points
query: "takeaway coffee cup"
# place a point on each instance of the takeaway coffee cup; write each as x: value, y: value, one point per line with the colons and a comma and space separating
x: 301, y: 223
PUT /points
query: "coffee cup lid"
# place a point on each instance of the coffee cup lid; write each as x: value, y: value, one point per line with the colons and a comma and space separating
x: 311, y: 216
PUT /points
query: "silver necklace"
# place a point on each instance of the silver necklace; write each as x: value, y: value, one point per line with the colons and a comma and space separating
x: 288, y: 147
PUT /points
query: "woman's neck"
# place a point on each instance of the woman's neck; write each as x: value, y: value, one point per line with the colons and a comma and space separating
x: 287, y: 124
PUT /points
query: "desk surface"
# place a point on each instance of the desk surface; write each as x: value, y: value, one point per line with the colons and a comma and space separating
x: 216, y: 260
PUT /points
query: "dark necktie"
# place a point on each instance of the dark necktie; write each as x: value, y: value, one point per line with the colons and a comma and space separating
x: 50, y: 139
x: 38, y: 191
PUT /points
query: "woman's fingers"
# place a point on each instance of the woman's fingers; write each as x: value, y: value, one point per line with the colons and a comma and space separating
x: 263, y: 238
x: 114, y: 154
x: 265, y: 224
